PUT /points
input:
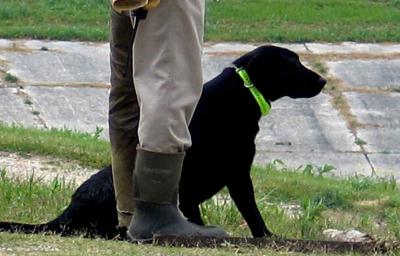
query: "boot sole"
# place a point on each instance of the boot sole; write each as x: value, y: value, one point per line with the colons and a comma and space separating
x: 131, y: 239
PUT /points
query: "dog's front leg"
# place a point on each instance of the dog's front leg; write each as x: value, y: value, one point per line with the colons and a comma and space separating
x: 242, y: 193
x: 192, y: 213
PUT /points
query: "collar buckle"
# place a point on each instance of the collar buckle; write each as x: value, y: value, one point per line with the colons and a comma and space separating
x: 264, y: 105
x: 245, y: 77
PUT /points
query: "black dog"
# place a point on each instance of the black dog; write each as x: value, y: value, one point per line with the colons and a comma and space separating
x: 223, y: 131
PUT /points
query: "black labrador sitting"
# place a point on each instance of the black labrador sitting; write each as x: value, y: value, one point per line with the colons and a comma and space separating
x: 223, y: 130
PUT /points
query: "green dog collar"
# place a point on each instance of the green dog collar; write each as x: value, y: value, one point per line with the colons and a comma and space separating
x: 264, y: 105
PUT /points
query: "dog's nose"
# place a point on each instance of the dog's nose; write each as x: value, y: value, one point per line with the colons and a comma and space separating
x: 321, y: 81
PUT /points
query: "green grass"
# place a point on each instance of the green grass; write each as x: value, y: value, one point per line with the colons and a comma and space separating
x: 326, y: 202
x: 73, y: 19
x: 304, y: 20
x: 231, y: 20
x: 54, y: 245
x: 87, y: 149
x: 10, y: 78
x: 30, y: 201
x: 356, y: 202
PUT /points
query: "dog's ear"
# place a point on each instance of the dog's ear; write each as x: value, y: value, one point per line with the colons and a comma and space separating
x: 259, y: 63
x: 244, y: 60
x: 253, y: 59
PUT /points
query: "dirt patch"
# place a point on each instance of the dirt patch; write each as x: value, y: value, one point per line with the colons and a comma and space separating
x: 29, y: 249
x: 351, y: 56
x: 372, y: 203
x: 43, y: 168
x: 292, y: 245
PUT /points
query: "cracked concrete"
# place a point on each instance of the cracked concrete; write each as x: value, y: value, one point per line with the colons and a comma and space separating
x: 367, y: 73
x: 65, y: 84
x: 14, y: 110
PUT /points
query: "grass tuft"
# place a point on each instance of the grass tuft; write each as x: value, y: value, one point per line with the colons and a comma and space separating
x: 10, y: 78
x: 29, y: 200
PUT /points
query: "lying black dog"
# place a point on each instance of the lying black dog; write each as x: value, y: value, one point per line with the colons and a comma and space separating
x: 223, y: 131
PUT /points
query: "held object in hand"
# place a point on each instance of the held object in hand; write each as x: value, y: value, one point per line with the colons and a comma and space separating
x: 129, y: 5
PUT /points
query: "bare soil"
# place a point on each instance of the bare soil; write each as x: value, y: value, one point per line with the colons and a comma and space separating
x: 43, y: 168
x: 281, y: 244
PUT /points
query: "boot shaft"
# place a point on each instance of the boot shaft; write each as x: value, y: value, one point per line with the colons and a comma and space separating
x: 157, y: 177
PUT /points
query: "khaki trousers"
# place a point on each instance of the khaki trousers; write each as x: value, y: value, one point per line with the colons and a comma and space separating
x: 152, y: 106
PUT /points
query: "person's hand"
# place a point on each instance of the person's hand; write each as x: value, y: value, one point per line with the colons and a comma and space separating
x: 129, y: 5
x: 152, y: 4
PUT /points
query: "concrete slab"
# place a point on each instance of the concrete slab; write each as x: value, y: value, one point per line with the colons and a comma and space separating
x: 83, y: 48
x: 227, y: 48
x: 71, y: 63
x: 58, y: 68
x: 5, y: 43
x: 213, y: 65
x: 386, y: 165
x: 81, y: 109
x: 224, y: 47
x: 346, y: 164
x: 376, y: 110
x: 76, y: 63
x: 380, y: 113
x: 305, y: 125
x: 13, y: 110
x: 298, y: 48
x: 58, y: 46
x: 352, y: 48
x: 381, y: 140
x: 367, y: 73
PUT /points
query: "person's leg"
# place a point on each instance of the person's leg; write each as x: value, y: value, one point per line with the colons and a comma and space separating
x: 168, y: 82
x: 123, y: 115
x: 168, y: 73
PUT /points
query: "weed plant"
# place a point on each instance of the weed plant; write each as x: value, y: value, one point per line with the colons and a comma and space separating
x: 10, y: 78
x: 27, y: 199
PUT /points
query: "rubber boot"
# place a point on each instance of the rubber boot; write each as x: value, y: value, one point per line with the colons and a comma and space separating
x: 156, y: 179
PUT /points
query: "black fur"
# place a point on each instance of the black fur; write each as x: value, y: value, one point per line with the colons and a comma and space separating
x: 223, y: 131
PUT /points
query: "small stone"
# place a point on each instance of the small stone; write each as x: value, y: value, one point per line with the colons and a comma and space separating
x: 349, y: 235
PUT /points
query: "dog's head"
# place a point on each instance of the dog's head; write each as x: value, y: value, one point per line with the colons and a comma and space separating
x: 278, y: 72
